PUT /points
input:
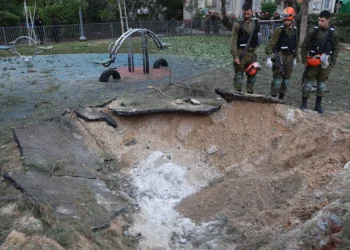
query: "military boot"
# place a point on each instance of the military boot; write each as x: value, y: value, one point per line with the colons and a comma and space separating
x: 318, y: 107
x: 281, y: 96
x: 304, y: 104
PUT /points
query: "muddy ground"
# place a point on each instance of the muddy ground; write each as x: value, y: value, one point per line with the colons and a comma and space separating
x: 250, y: 176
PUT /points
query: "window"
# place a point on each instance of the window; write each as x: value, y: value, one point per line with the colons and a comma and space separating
x: 209, y: 3
x: 228, y: 4
x: 326, y: 5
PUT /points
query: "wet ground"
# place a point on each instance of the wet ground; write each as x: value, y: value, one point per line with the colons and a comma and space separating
x: 50, y: 84
x: 43, y: 90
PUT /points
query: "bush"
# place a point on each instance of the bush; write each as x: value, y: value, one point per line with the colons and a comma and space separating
x: 8, y: 19
x: 64, y: 13
x: 269, y: 7
x: 199, y: 14
x: 341, y: 20
x: 312, y: 20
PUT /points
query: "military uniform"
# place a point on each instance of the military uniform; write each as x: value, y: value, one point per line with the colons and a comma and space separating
x: 284, y: 41
x: 314, y: 44
x: 241, y: 32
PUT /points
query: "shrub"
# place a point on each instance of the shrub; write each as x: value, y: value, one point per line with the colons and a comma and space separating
x: 64, y: 13
x: 269, y: 7
x: 8, y: 19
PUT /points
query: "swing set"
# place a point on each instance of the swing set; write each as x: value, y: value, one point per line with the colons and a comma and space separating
x: 26, y: 47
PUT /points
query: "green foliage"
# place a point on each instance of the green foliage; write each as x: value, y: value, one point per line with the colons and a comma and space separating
x: 93, y: 11
x: 269, y: 7
x: 199, y: 14
x: 192, y: 6
x: 8, y: 19
x: 174, y: 9
x: 66, y: 13
x: 15, y: 7
x: 342, y: 23
x: 341, y: 20
x: 110, y: 11
x: 312, y: 19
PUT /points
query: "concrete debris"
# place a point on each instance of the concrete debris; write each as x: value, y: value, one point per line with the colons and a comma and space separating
x: 195, y: 102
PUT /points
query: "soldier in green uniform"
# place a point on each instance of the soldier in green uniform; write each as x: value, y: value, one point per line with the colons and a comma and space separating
x: 243, y: 58
x: 319, y: 53
x: 284, y: 42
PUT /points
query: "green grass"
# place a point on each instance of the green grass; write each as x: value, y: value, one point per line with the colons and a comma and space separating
x: 215, y: 48
x: 45, y: 168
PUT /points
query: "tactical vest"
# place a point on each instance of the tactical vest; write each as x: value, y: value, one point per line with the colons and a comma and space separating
x: 321, y: 47
x: 243, y: 37
x: 286, y: 43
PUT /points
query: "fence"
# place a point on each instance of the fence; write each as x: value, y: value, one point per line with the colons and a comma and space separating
x: 49, y: 34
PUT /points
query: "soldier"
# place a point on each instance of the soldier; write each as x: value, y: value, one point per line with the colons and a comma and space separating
x: 284, y: 42
x: 243, y: 45
x: 319, y: 53
x: 207, y: 23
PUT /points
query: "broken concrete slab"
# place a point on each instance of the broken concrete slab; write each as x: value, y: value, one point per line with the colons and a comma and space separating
x: 185, y: 107
x: 87, y: 200
x: 230, y: 96
x: 93, y: 114
x: 58, y: 148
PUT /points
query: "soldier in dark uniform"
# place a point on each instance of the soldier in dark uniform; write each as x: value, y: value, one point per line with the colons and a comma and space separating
x: 319, y: 53
x: 207, y: 24
x: 241, y: 32
x: 284, y: 42
x: 39, y: 29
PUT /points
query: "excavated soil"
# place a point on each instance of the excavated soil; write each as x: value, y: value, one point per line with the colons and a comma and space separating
x: 257, y: 166
x: 250, y: 176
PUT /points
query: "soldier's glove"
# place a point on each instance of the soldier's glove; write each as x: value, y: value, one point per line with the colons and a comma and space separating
x: 294, y: 62
x: 324, y: 61
x: 269, y: 62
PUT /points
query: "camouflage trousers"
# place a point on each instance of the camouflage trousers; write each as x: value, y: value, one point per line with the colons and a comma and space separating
x: 239, y: 73
x: 280, y: 85
x: 316, y: 74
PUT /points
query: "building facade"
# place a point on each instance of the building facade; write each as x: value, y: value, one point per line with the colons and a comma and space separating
x: 233, y: 7
x: 316, y: 6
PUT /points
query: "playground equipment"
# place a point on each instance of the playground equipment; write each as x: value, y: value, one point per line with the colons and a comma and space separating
x: 25, y: 47
x: 113, y: 48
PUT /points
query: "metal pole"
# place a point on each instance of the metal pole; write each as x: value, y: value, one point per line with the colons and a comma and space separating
x: 3, y: 30
x: 82, y: 37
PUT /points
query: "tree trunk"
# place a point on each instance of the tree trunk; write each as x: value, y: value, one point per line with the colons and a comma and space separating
x: 223, y: 7
x: 304, y: 17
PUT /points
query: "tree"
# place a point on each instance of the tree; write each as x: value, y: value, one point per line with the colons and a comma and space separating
x: 223, y: 7
x: 269, y: 7
x: 225, y: 21
x: 93, y: 11
x: 304, y: 17
x: 191, y: 6
x: 11, y: 12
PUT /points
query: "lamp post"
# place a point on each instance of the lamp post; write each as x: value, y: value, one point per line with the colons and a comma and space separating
x: 82, y: 37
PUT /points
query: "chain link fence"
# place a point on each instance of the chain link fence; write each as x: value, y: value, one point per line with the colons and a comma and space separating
x: 63, y: 33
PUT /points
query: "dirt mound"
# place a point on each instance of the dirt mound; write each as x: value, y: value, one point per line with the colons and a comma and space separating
x: 274, y: 158
x: 261, y: 165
